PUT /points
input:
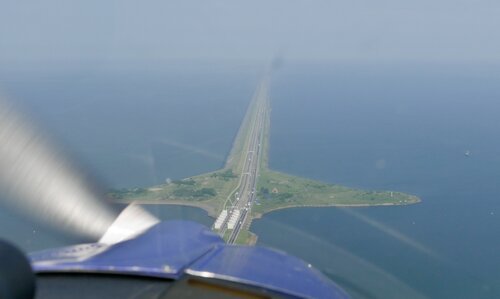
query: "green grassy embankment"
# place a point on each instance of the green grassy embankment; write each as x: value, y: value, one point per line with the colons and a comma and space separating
x: 278, y: 190
x: 208, y: 191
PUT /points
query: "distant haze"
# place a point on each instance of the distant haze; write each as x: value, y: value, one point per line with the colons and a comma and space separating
x: 54, y: 34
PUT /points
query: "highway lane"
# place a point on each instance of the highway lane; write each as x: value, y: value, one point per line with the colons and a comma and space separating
x: 246, y: 193
x: 250, y: 160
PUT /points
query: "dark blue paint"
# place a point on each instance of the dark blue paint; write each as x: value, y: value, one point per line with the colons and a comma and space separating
x: 163, y: 251
x: 171, y: 249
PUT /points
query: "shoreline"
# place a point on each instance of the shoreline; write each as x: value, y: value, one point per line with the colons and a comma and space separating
x: 253, y: 237
x: 360, y: 205
x: 212, y: 213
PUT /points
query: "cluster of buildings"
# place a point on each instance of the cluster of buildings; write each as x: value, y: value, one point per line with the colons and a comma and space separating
x: 220, y: 220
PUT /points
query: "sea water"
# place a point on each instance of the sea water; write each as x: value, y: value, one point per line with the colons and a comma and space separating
x: 404, y: 129
x: 401, y: 128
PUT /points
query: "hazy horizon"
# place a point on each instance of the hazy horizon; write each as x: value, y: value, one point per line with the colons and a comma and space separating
x: 129, y: 34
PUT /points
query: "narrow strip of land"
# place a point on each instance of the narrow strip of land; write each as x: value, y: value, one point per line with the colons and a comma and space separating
x: 246, y: 188
x: 245, y: 196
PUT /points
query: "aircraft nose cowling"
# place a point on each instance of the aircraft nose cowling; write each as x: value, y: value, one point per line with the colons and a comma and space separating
x: 175, y: 249
x: 164, y: 250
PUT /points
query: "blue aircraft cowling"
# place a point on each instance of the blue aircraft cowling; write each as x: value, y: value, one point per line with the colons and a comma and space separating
x: 267, y: 268
x: 175, y: 248
x: 164, y: 250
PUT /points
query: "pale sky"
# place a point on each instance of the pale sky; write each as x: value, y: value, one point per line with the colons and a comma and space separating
x: 52, y: 33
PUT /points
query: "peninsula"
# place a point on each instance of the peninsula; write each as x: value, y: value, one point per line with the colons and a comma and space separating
x: 245, y: 188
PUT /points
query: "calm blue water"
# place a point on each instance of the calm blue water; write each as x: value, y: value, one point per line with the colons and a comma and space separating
x: 402, y: 129
x: 396, y: 130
